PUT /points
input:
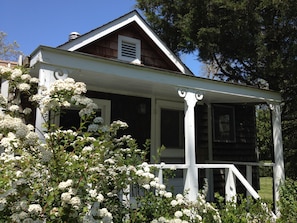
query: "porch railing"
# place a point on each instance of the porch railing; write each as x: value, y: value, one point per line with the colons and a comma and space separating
x: 231, y: 173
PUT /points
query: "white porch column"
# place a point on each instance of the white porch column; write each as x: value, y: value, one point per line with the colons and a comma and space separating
x: 278, y: 169
x: 5, y: 86
x: 191, y: 179
x: 230, y: 185
x: 44, y: 80
x: 47, y: 76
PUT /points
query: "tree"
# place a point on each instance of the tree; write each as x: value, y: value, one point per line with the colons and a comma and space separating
x: 251, y: 42
x: 8, y: 51
x: 264, y: 139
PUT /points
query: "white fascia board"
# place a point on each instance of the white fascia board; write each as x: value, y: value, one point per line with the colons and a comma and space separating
x: 117, y: 24
x: 81, y: 62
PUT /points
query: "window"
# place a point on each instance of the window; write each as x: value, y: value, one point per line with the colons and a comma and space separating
x: 129, y: 49
x: 223, y: 123
x: 70, y: 118
x: 172, y: 128
x: 170, y: 131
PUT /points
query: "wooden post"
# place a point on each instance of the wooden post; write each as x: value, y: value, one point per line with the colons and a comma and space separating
x: 191, y: 179
x: 249, y: 177
x: 278, y: 169
x: 230, y: 186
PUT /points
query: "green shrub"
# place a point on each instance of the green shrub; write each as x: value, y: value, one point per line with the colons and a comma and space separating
x: 288, y: 202
x: 245, y: 210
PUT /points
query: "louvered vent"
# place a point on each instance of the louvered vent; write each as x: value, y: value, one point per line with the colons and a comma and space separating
x: 128, y: 50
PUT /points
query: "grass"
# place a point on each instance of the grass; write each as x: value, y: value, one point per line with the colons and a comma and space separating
x: 266, y: 192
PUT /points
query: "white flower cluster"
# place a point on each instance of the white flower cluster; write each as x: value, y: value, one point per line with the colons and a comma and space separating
x: 19, y: 81
x: 97, y: 214
x: 149, y: 182
x: 67, y: 85
x: 65, y: 184
x: 17, y: 75
x: 94, y: 127
x: 3, y: 203
x: 69, y: 197
x: 16, y: 134
x: 25, y: 212
x: 64, y: 93
x: 164, y: 220
x: 120, y: 124
x: 35, y: 208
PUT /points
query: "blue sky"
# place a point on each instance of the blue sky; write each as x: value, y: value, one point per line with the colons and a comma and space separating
x: 48, y: 22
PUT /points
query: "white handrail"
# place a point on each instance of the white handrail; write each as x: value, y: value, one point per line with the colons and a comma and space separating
x: 266, y: 164
x: 231, y: 168
x: 247, y: 185
x: 235, y: 171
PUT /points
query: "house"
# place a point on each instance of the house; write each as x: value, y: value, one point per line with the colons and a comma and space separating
x: 207, y: 126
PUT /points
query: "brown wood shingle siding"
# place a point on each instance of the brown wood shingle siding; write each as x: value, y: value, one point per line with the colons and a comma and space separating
x: 243, y: 149
x: 201, y: 123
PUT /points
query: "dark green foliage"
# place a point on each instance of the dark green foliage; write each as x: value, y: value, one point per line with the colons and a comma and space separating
x: 264, y: 136
x: 244, y: 210
x: 288, y: 202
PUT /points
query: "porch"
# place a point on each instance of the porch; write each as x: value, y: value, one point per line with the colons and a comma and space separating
x: 156, y: 85
x: 191, y: 167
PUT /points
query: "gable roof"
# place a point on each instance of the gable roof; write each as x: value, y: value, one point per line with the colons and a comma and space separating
x: 117, y: 24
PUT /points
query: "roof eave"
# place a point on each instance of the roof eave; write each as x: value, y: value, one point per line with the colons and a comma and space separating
x: 214, y: 91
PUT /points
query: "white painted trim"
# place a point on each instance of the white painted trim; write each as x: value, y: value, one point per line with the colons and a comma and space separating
x: 154, y: 146
x: 79, y: 63
x: 230, y: 186
x: 105, y: 106
x: 278, y: 168
x: 209, y: 172
x: 161, y: 104
x: 4, y: 88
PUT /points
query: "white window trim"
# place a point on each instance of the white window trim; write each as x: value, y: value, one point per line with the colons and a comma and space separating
x: 161, y: 104
x: 104, y: 105
x: 137, y: 43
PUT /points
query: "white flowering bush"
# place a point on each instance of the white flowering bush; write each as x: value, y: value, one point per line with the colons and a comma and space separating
x: 88, y: 175
x: 91, y: 174
x: 21, y: 87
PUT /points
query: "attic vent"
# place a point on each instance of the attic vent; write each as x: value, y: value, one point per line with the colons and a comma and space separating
x: 129, y: 49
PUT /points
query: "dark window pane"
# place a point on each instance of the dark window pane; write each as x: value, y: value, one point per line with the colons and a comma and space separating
x: 69, y: 118
x: 172, y: 128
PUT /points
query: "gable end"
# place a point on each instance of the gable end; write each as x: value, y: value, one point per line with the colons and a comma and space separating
x: 168, y: 59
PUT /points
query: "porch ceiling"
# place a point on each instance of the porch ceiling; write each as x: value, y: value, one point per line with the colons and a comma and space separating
x: 101, y: 73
